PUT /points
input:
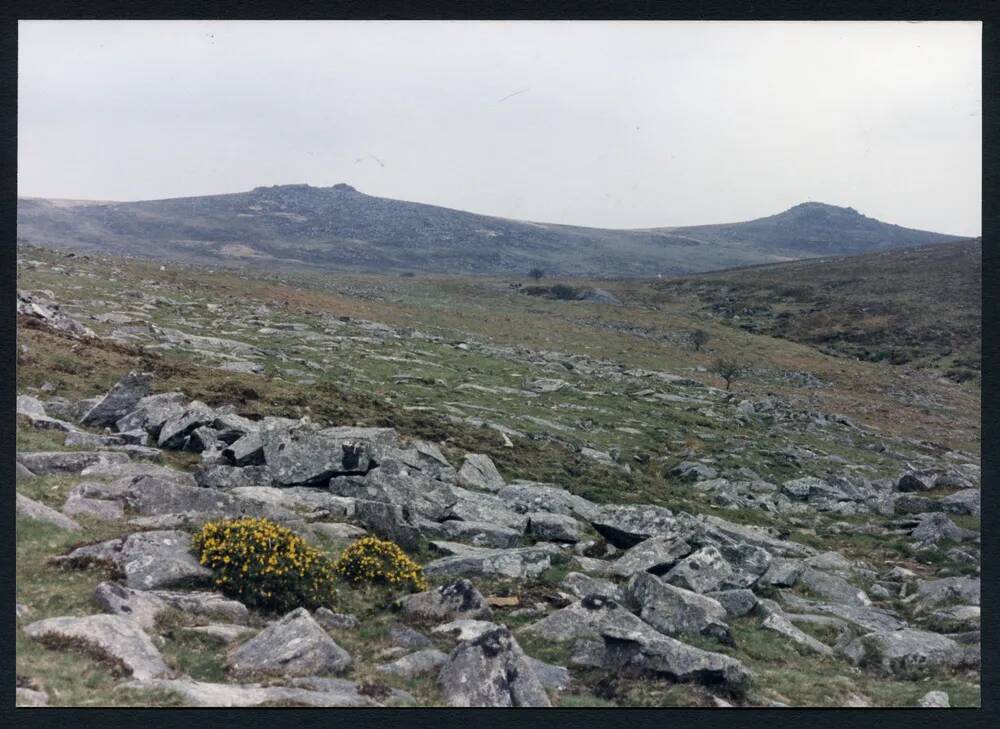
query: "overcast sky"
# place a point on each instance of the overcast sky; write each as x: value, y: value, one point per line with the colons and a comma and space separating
x: 627, y: 124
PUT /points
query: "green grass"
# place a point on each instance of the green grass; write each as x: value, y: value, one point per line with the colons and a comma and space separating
x: 355, y: 385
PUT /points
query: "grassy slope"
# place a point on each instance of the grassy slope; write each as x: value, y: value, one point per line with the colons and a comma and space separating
x: 358, y: 389
x: 918, y: 306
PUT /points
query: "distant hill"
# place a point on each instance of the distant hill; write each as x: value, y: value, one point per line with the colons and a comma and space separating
x: 339, y: 228
x: 916, y: 306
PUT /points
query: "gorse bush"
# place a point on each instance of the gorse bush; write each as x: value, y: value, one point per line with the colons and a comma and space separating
x: 373, y: 561
x: 265, y: 565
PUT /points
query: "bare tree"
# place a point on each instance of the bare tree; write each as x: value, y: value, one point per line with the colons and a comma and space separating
x: 699, y: 337
x: 728, y: 369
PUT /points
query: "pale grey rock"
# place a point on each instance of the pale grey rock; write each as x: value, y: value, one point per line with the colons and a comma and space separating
x: 415, y: 664
x: 300, y: 456
x: 135, y: 470
x: 693, y: 471
x: 584, y: 619
x: 967, y: 502
x: 549, y: 527
x: 464, y: 628
x: 656, y: 555
x: 675, y: 611
x: 866, y: 619
x: 387, y: 521
x: 782, y: 572
x: 218, y: 633
x: 703, y: 571
x: 947, y: 590
x: 426, y: 458
x: 625, y: 525
x: 175, y: 431
x: 629, y: 651
x: 934, y: 700
x: 247, y: 451
x: 593, y: 566
x: 774, y: 619
x: 298, y: 499
x: 403, y: 636
x: 338, y: 531
x: 905, y: 653
x: 68, y: 462
x: 201, y: 439
x: 458, y: 599
x: 148, y: 560
x: 21, y: 473
x: 120, y: 400
x: 234, y: 695
x: 955, y: 619
x: 30, y: 697
x: 295, y: 645
x: 109, y: 636
x: 144, y: 606
x: 833, y: 587
x: 916, y: 481
x: 937, y: 527
x: 151, y: 412
x: 152, y: 496
x: 515, y: 563
x: 491, y: 670
x: 30, y: 406
x: 582, y: 585
x: 485, y: 508
x: 394, y: 483
x: 330, y: 620
x: 527, y: 497
x: 737, y: 603
x: 475, y: 533
x: 223, y: 477
x: 479, y: 472
x: 103, y: 509
x: 31, y: 509
x: 551, y: 676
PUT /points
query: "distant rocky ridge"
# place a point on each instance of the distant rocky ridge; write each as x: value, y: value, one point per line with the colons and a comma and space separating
x: 340, y: 228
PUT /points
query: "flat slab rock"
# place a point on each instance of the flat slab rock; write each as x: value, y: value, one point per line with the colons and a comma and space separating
x: 647, y: 652
x: 143, y: 606
x: 907, y: 653
x: 147, y: 560
x: 31, y: 509
x: 626, y: 525
x: 323, y: 693
x: 303, y: 456
x: 295, y: 645
x: 514, y: 563
x: 47, y: 462
x: 459, y: 599
x: 415, y: 664
x: 110, y: 637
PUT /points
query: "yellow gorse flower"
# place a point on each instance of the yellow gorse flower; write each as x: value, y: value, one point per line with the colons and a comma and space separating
x: 264, y: 564
x: 376, y: 561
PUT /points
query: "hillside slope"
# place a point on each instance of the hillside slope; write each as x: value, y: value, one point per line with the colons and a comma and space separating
x: 339, y: 228
x: 919, y: 306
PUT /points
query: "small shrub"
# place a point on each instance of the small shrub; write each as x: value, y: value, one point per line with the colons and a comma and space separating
x: 728, y: 369
x: 536, y: 273
x: 265, y: 565
x: 374, y: 561
x: 563, y: 292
